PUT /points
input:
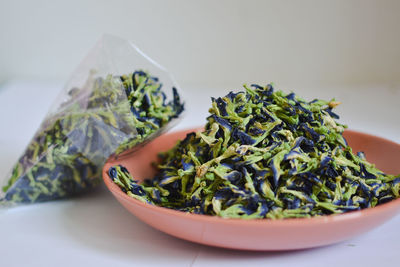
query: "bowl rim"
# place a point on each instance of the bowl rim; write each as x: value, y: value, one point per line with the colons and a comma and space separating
x: 366, y: 212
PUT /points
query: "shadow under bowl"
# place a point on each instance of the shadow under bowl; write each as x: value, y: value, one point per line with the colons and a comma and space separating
x: 257, y: 234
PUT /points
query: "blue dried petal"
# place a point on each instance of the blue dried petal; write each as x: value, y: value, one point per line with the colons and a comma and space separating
x: 240, y: 192
x: 292, y: 203
x: 223, y: 193
x: 312, y: 177
x: 249, y: 124
x: 325, y: 161
x: 222, y: 122
x: 259, y: 173
x: 265, y: 115
x: 291, y: 155
x: 137, y: 189
x: 204, y: 152
x: 339, y: 202
x: 298, y: 142
x: 291, y: 96
x: 314, y: 135
x: 146, y: 103
x: 309, y: 199
x: 175, y: 185
x: 331, y: 113
x: 351, y: 183
x: 256, y: 131
x: 228, y: 165
x: 156, y: 196
x: 362, y: 202
x: 236, y: 159
x: 202, y: 209
x: 248, y: 97
x: 251, y: 207
x: 305, y: 197
x: 24, y: 182
x: 164, y: 97
x: 234, y: 177
x: 219, y: 134
x: 259, y: 186
x: 221, y: 104
x: 331, y: 172
x: 365, y: 189
x: 303, y: 118
x: 365, y: 173
x: 239, y: 109
x: 291, y: 127
x: 268, y: 91
x: 264, y: 208
x: 376, y: 187
x: 305, y: 186
x: 244, y: 138
x: 140, y: 130
x: 24, y: 196
x: 186, y: 165
x: 58, y: 170
x: 230, y: 202
x: 139, y: 73
x: 194, y: 201
x: 187, y: 139
x: 330, y: 185
x: 178, y: 106
x: 345, y: 141
x: 385, y: 199
x: 349, y: 202
x: 128, y: 89
x: 304, y: 110
x: 276, y: 129
x: 291, y: 110
x: 307, y: 145
x: 135, y: 112
x: 275, y: 173
x: 231, y: 95
x: 247, y: 210
x: 72, y: 150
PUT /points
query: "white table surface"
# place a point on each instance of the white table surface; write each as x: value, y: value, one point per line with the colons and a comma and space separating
x: 94, y: 230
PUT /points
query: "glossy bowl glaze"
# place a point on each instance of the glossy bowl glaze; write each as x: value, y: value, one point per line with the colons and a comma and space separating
x: 258, y: 234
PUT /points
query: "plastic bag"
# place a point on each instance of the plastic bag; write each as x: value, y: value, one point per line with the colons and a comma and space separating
x: 117, y: 99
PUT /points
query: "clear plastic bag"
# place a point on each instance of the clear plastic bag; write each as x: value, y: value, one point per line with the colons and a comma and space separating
x: 117, y: 99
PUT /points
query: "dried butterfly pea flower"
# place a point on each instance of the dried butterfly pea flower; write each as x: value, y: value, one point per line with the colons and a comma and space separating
x: 108, y: 115
x: 264, y: 154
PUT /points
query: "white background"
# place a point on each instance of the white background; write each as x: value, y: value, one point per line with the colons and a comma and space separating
x: 216, y: 43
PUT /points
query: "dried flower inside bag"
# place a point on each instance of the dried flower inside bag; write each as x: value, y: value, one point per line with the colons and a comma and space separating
x: 108, y: 114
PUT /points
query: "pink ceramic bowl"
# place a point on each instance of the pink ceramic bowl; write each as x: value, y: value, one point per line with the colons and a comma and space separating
x: 258, y: 234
